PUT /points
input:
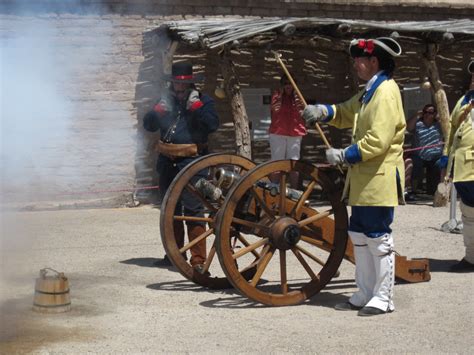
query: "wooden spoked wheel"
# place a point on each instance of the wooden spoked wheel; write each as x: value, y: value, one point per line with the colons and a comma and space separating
x: 210, y: 168
x: 290, y: 238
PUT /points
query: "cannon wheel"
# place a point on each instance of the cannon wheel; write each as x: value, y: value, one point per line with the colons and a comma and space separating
x: 185, y: 181
x: 272, y: 224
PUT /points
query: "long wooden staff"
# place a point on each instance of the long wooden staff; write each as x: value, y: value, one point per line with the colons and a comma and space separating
x: 300, y: 95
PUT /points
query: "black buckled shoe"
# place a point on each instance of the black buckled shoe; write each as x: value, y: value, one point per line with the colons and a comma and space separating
x: 346, y: 306
x: 370, y: 311
x: 462, y: 266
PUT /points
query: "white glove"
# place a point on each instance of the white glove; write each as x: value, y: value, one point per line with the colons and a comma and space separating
x: 314, y: 113
x: 194, y: 101
x: 335, y: 156
x: 164, y: 105
x: 208, y: 189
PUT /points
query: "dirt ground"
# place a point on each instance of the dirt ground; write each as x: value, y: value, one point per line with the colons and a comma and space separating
x: 122, y: 303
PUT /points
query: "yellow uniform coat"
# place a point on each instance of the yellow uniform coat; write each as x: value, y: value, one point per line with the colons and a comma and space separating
x: 461, y: 143
x: 379, y: 131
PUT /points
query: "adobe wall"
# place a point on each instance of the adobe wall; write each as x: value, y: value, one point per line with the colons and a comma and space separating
x: 93, y: 63
x: 359, y: 9
x: 87, y: 67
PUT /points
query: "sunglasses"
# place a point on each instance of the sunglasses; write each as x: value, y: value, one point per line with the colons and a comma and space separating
x: 430, y: 112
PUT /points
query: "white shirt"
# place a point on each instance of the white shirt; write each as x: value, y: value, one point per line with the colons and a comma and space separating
x: 371, y: 82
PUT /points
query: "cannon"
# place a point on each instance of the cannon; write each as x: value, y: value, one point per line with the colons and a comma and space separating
x: 275, y: 245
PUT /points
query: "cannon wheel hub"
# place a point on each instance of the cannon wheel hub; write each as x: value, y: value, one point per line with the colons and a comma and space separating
x: 285, y: 233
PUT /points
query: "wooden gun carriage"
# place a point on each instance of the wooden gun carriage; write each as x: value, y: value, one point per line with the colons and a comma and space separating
x: 275, y: 248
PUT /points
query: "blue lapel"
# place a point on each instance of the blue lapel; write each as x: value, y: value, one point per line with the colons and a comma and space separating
x: 368, y: 94
x: 468, y: 97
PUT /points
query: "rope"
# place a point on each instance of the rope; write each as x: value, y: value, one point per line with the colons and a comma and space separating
x: 156, y: 187
x: 132, y: 189
x: 424, y: 147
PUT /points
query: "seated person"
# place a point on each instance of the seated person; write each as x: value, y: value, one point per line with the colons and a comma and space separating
x: 427, y: 132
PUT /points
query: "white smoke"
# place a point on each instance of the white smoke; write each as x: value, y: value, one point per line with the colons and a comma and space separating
x: 63, y: 118
x: 35, y: 114
x: 66, y: 124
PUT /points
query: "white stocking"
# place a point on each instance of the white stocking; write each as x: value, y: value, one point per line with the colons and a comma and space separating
x: 364, y: 270
x: 384, y: 260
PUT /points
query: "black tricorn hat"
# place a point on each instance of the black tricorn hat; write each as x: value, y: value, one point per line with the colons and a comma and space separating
x: 182, y: 72
x: 378, y: 47
x: 470, y: 67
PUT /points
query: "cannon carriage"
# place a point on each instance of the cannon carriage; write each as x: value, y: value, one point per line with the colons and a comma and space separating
x: 275, y: 245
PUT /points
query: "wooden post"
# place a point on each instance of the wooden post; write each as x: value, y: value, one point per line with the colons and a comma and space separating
x: 441, y: 100
x: 167, y: 56
x: 429, y: 58
x: 239, y: 113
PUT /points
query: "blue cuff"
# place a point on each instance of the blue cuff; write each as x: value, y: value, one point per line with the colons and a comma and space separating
x: 442, y: 163
x: 352, y: 154
x: 330, y: 114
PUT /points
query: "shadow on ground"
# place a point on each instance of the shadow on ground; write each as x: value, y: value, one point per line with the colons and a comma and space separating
x: 437, y: 265
x: 324, y: 299
x: 186, y: 285
x: 148, y: 262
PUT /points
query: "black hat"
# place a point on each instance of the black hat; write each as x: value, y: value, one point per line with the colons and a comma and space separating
x: 182, y: 72
x: 379, y: 47
x: 470, y: 67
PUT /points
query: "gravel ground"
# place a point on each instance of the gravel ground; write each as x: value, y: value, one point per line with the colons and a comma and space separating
x: 121, y: 303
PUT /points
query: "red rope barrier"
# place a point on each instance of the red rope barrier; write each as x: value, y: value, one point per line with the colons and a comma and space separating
x: 118, y: 190
x: 424, y: 147
x: 134, y: 189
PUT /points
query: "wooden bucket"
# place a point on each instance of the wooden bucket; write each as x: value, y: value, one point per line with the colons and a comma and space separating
x: 51, y: 292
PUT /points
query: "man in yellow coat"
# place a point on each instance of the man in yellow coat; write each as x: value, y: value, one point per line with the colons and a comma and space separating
x: 460, y: 148
x: 376, y: 173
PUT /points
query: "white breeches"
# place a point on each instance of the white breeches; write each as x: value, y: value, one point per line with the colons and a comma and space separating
x: 375, y: 271
x: 468, y: 231
x: 285, y: 147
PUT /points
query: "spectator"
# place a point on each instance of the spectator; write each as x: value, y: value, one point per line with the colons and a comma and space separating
x: 287, y: 127
x: 428, y: 137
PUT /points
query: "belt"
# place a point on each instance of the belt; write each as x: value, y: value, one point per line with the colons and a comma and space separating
x: 174, y: 151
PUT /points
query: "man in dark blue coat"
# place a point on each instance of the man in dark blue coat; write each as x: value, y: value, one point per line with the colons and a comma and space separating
x: 184, y: 117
